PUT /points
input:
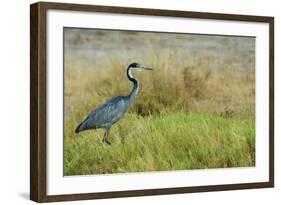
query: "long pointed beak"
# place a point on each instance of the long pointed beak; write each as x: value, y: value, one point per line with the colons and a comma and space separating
x: 146, y: 68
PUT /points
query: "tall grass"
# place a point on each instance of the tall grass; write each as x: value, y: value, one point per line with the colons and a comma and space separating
x: 170, y: 141
x: 190, y: 83
x: 191, y: 113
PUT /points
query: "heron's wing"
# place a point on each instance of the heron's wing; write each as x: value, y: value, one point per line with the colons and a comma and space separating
x: 107, y: 113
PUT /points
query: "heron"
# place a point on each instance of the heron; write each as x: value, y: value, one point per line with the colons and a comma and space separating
x: 113, y: 110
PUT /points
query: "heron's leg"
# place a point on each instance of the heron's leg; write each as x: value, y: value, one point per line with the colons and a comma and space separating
x: 105, y: 136
x: 121, y: 133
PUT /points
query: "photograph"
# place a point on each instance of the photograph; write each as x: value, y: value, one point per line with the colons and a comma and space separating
x: 131, y: 101
x: 146, y: 101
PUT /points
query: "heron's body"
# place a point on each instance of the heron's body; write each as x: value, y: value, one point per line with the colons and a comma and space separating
x: 113, y: 110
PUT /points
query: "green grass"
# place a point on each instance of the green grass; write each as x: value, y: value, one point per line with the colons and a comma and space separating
x: 168, y: 141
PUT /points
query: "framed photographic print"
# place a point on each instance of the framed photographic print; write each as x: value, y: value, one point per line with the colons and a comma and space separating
x: 134, y: 102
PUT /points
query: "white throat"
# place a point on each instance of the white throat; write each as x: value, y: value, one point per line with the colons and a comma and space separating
x: 130, y: 73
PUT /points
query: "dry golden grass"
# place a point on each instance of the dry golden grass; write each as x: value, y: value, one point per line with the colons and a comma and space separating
x: 188, y: 84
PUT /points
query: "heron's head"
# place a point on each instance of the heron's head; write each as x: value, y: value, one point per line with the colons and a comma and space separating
x: 138, y: 66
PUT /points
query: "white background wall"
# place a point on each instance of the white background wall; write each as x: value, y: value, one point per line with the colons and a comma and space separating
x: 14, y: 101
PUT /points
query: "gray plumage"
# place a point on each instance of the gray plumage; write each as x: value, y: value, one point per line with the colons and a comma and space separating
x: 113, y: 110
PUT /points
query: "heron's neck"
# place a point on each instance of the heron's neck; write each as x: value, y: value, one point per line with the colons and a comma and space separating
x: 135, y: 89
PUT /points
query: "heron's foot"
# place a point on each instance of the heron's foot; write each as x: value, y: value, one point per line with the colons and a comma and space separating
x: 106, y: 141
